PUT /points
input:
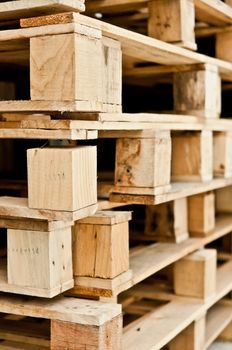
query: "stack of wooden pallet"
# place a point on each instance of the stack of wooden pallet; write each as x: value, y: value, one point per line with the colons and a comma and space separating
x: 63, y: 77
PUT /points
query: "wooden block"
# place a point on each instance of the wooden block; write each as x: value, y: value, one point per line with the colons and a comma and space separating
x: 172, y: 21
x: 198, y: 92
x: 62, y: 178
x: 223, y: 45
x: 192, y: 156
x: 143, y: 162
x: 222, y: 154
x: 70, y: 67
x: 112, y: 71
x: 101, y: 247
x: 192, y: 338
x: 65, y: 67
x: 67, y: 335
x: 223, y: 200
x: 167, y: 222
x: 201, y: 213
x: 195, y: 275
x: 40, y: 260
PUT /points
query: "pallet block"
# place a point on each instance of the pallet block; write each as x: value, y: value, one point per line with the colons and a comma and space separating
x: 195, y: 275
x: 40, y: 260
x: 223, y: 44
x: 223, y: 200
x: 222, y: 154
x: 172, y: 21
x: 167, y: 222
x: 201, y: 213
x: 192, y: 338
x: 143, y: 164
x: 62, y: 178
x: 101, y: 245
x: 73, y: 67
x: 195, y: 150
x: 198, y: 92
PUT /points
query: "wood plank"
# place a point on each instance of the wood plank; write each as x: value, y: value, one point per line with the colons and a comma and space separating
x: 178, y: 190
x: 86, y: 312
x: 24, y: 8
x: 18, y: 208
x: 217, y: 319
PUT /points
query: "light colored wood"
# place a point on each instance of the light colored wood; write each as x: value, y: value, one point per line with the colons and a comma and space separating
x: 133, y: 44
x: 148, y: 260
x: 61, y: 308
x: 107, y: 217
x: 167, y: 21
x: 33, y: 225
x: 16, y: 207
x: 25, y: 8
x: 177, y: 190
x: 66, y: 67
x: 192, y: 338
x: 195, y: 275
x: 217, y: 323
x: 106, y: 246
x: 222, y: 152
x: 223, y: 43
x: 196, y: 153
x: 167, y: 222
x: 143, y: 162
x: 66, y: 176
x: 201, y: 214
x: 39, y: 260
x: 223, y: 200
x: 198, y: 92
x: 66, y: 335
x: 111, y: 67
x: 173, y: 317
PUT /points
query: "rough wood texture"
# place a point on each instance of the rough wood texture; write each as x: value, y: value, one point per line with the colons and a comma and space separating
x: 65, y: 67
x: 39, y: 259
x: 222, y: 154
x: 66, y: 336
x: 201, y: 213
x: 223, y: 46
x: 198, y: 92
x: 192, y: 338
x: 172, y: 21
x: 143, y: 162
x: 195, y: 275
x: 223, y: 200
x: 107, y: 247
x: 167, y: 222
x: 196, y: 153
x: 62, y: 178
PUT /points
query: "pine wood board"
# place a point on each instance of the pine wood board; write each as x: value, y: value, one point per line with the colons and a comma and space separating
x: 85, y: 312
x: 178, y: 190
x: 24, y: 8
x: 18, y: 208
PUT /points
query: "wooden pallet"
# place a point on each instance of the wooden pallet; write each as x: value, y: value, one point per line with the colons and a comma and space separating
x: 63, y: 323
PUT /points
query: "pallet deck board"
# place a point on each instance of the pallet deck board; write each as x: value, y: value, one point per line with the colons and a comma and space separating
x: 23, y: 8
x: 18, y: 208
x: 85, y: 312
